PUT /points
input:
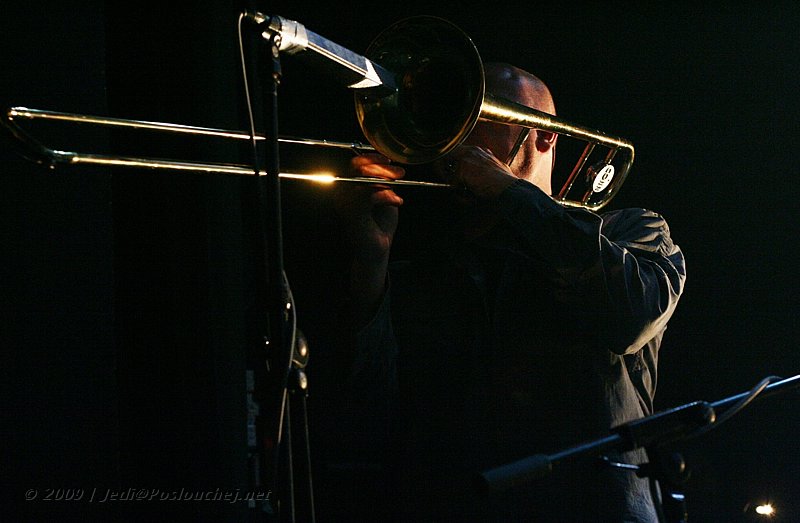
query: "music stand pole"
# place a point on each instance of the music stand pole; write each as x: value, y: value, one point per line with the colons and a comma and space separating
x: 652, y: 433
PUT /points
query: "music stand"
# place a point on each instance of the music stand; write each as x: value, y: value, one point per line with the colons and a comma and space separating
x: 653, y: 433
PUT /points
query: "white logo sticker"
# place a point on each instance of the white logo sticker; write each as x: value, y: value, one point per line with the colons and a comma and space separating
x: 603, y: 178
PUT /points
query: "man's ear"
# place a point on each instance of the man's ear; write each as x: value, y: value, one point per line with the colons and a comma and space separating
x: 545, y: 140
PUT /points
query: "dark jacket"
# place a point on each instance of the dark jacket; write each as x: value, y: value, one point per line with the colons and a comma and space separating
x: 542, y: 335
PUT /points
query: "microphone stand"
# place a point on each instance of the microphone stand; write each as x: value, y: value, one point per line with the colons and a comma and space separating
x: 284, y: 352
x: 652, y: 433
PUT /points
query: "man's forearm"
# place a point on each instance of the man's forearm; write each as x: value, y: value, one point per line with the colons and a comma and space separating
x: 367, y: 287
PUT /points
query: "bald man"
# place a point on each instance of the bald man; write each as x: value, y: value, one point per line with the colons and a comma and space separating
x: 525, y: 328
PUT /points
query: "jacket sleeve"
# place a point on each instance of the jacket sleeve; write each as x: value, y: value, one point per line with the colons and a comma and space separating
x: 620, y: 267
x: 375, y: 358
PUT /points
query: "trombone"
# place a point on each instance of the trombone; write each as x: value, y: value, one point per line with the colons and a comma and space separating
x: 40, y: 153
x: 433, y: 94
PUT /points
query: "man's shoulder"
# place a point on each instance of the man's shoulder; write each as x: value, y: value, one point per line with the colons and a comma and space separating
x: 631, y: 213
x: 636, y: 226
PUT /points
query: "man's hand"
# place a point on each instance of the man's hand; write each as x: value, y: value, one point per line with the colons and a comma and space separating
x: 477, y: 170
x: 371, y: 212
x: 371, y: 216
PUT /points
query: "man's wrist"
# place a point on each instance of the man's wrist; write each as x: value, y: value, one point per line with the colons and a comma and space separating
x: 368, y: 283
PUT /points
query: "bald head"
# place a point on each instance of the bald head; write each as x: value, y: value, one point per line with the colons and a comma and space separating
x: 534, y: 161
x: 512, y: 83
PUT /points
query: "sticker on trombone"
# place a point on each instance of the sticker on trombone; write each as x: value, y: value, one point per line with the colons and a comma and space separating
x: 603, y: 178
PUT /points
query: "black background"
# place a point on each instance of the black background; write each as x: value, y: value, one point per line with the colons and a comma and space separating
x: 127, y: 296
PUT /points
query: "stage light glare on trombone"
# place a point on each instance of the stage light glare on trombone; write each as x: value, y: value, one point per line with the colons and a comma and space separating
x: 323, y: 177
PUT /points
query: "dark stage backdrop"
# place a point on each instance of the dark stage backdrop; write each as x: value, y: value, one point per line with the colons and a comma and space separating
x: 128, y: 297
x: 60, y: 421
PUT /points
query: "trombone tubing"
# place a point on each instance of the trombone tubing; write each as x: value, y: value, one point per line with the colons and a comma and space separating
x: 53, y: 157
x: 499, y: 109
x: 39, y: 114
x: 221, y: 168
